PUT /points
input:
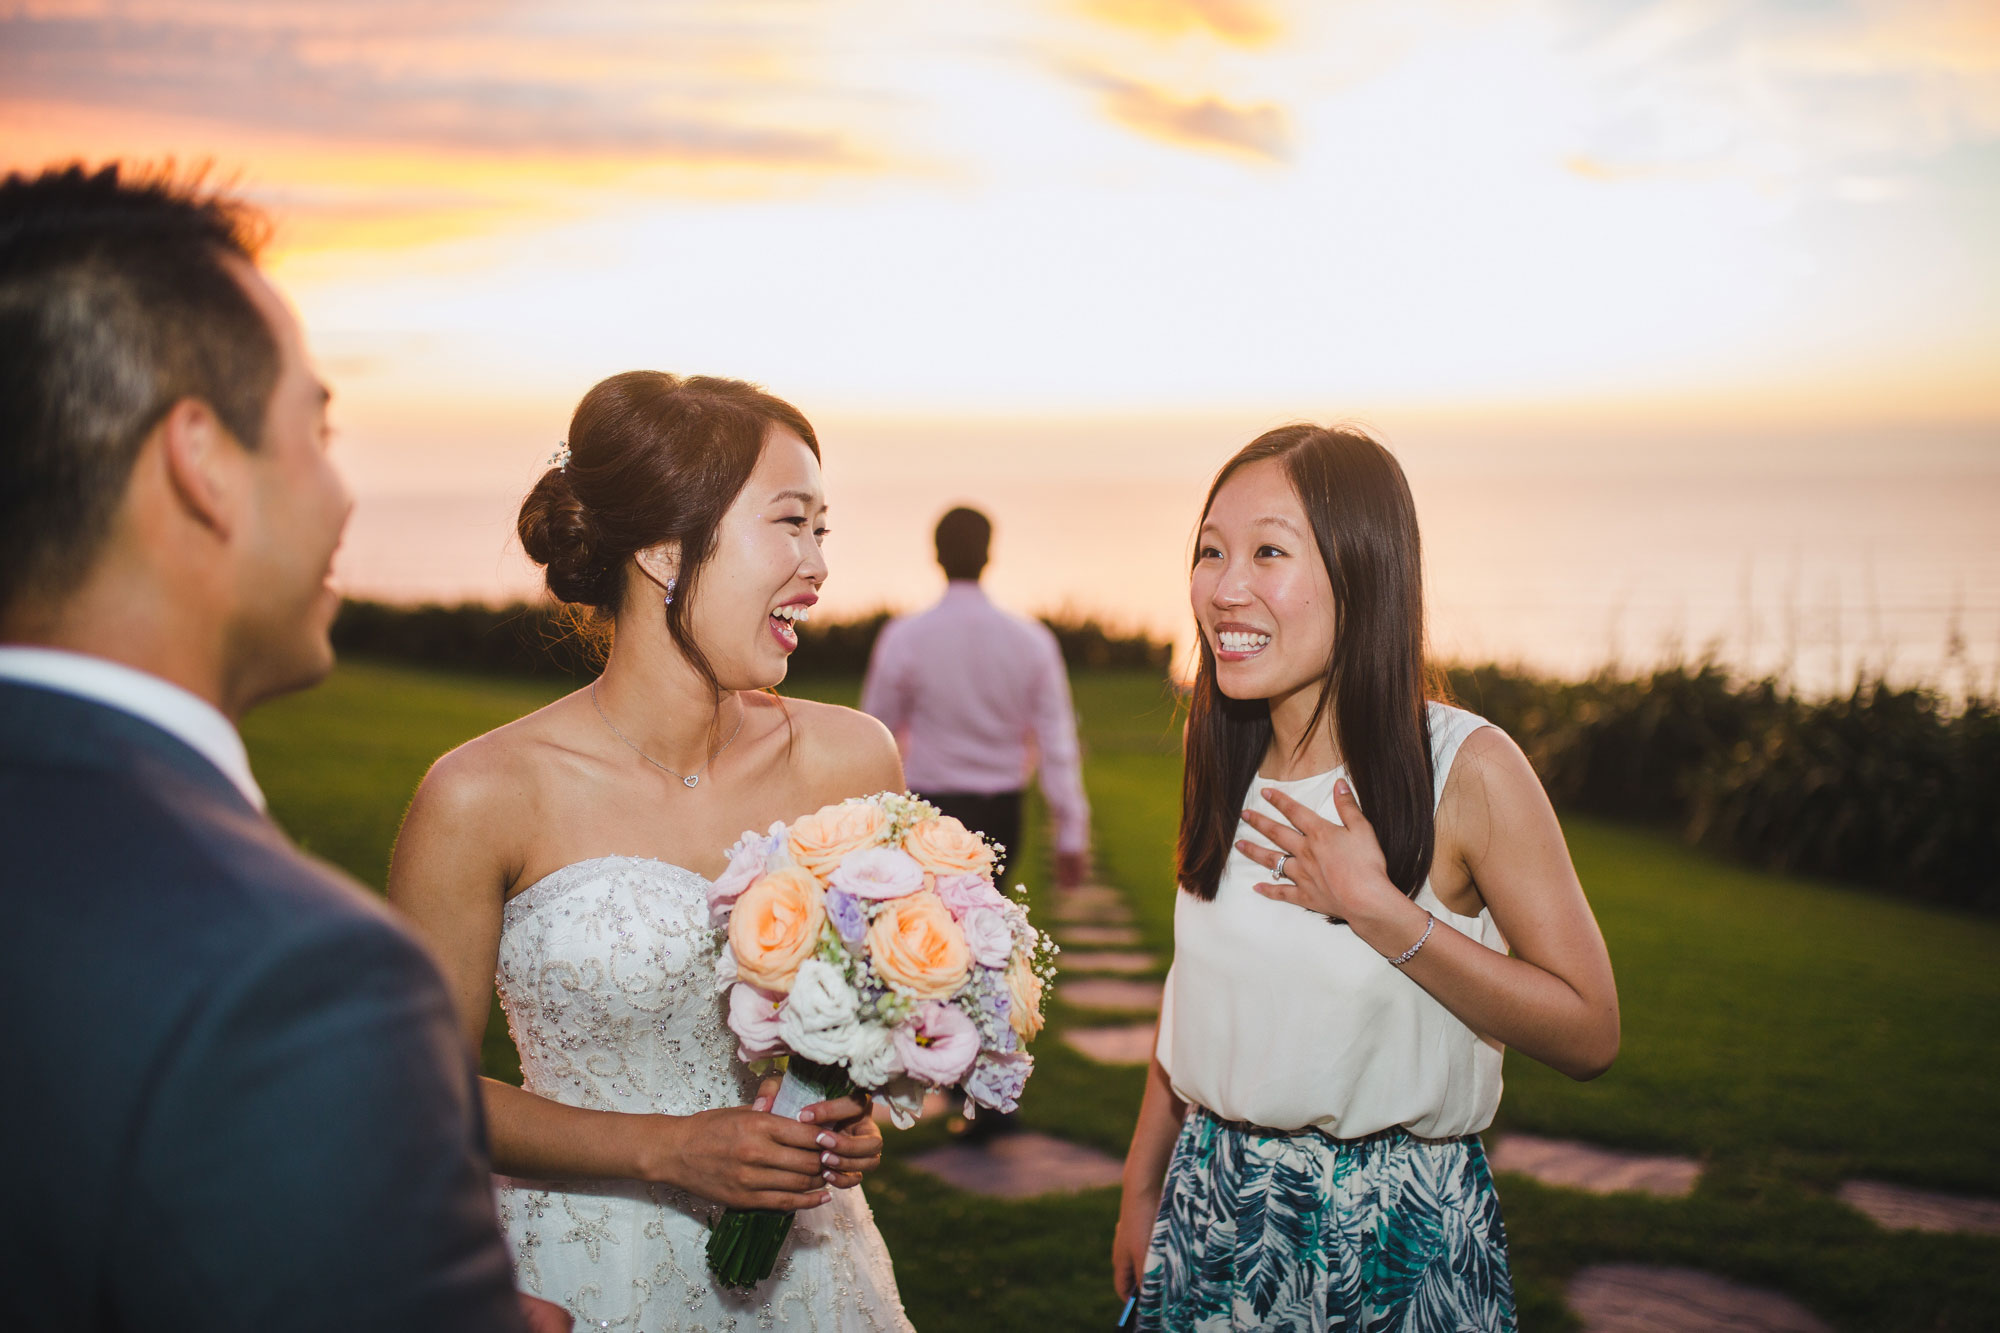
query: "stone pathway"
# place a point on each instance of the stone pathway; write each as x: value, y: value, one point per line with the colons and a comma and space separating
x: 1901, y: 1208
x: 1132, y: 1045
x: 1638, y: 1298
x: 1107, y: 960
x: 1584, y: 1166
x: 1116, y: 937
x: 1114, y: 993
x: 1020, y: 1166
x: 1092, y: 903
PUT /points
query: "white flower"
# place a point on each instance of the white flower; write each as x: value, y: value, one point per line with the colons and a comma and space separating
x: 874, y: 1059
x: 725, y: 968
x: 989, y: 935
x: 877, y: 873
x: 821, y: 1015
x: 905, y: 1099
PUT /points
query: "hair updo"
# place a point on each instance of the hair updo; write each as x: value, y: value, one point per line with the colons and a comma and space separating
x: 653, y: 458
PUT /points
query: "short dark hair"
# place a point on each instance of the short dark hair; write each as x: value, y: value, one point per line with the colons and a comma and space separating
x: 962, y: 538
x: 115, y: 304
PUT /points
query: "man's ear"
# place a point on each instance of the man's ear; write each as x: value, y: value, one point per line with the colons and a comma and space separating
x: 203, y: 465
x: 660, y: 563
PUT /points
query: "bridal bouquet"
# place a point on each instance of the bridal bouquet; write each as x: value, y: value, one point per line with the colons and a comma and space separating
x: 867, y: 942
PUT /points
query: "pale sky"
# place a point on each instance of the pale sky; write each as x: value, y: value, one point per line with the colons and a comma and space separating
x: 1084, y: 206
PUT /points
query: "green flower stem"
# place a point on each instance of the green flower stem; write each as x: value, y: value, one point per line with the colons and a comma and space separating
x: 744, y: 1246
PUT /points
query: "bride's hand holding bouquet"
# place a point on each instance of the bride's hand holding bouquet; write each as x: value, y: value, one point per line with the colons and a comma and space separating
x: 867, y: 943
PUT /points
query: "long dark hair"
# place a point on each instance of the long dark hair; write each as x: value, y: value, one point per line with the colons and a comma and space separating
x: 1377, y: 684
x: 653, y: 458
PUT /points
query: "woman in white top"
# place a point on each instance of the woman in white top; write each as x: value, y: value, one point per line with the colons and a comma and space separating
x: 1330, y: 1043
x: 570, y: 853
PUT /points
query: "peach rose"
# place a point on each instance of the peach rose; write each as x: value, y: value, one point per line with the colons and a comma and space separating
x: 944, y: 846
x: 775, y: 927
x: 1024, y: 998
x: 918, y: 948
x: 821, y: 839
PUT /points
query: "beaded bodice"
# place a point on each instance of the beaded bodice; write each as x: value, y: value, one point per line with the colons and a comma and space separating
x: 607, y: 975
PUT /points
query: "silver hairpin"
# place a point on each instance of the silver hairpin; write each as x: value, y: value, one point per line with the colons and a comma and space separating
x: 559, y: 460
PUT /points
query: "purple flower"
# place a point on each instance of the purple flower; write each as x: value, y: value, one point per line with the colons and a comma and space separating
x: 878, y: 873
x: 844, y: 910
x: 996, y: 1080
x: 962, y: 893
x: 937, y: 1044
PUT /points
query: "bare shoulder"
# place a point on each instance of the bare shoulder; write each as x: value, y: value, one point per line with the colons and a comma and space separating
x: 843, y: 751
x: 1491, y: 786
x: 489, y: 784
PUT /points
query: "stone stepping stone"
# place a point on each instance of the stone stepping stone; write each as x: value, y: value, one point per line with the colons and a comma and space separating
x: 1092, y: 903
x: 1131, y: 1045
x: 1900, y: 1208
x: 1584, y: 1166
x: 1110, y: 993
x: 1108, y: 961
x: 1637, y: 1298
x: 1098, y: 936
x: 1019, y: 1166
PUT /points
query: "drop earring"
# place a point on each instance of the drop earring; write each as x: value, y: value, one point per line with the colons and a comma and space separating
x: 669, y: 599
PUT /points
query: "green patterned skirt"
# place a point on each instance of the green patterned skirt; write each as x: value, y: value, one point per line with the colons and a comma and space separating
x: 1260, y: 1229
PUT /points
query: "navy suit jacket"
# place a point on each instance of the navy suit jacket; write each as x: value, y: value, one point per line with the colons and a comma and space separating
x: 236, y: 1094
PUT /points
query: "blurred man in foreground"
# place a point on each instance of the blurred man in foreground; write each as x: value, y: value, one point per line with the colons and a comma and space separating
x: 239, y: 1098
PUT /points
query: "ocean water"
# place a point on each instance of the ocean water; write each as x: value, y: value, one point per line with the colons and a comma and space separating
x: 1811, y: 555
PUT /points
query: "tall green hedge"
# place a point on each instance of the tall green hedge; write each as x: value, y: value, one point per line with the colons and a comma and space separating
x: 543, y: 639
x: 1892, y: 787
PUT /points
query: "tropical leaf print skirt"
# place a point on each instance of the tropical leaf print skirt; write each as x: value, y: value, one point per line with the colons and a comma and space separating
x: 1261, y: 1229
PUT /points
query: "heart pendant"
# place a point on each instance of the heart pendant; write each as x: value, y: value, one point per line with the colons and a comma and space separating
x: 690, y: 782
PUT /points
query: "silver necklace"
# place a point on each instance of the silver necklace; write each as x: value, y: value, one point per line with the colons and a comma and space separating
x: 687, y: 779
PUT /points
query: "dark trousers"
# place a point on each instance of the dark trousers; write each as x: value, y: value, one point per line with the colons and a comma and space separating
x: 997, y: 816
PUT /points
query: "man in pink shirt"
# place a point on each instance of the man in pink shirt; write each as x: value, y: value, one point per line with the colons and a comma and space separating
x: 973, y: 693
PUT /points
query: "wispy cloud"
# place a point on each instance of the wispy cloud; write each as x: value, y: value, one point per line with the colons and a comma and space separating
x: 1241, y: 21
x: 1206, y: 123
x: 302, y: 71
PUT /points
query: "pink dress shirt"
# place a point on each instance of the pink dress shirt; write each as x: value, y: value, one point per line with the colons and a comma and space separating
x: 966, y: 687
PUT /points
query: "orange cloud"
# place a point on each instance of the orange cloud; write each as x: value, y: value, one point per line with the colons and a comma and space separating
x: 1240, y: 21
x: 1206, y: 123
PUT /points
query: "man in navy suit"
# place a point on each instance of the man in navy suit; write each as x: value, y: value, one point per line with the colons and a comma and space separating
x: 237, y: 1099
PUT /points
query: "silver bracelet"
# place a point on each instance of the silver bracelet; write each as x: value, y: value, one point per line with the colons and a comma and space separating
x: 1411, y: 952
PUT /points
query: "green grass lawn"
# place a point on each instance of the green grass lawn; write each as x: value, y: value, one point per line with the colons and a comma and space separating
x: 1790, y: 1035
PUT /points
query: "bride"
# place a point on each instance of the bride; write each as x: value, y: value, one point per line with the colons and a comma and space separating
x: 569, y: 851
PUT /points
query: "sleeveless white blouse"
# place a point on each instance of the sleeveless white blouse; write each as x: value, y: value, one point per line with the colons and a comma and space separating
x: 1273, y: 1016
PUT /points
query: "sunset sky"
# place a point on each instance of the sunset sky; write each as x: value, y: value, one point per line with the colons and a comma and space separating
x: 1087, y: 204
x: 1065, y: 210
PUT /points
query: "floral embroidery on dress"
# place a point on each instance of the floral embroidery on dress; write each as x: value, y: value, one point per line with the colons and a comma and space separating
x: 607, y: 977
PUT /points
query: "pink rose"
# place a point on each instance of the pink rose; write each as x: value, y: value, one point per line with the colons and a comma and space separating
x: 748, y: 859
x: 962, y: 893
x: 938, y: 1044
x: 753, y: 1017
x: 878, y: 873
x: 989, y: 935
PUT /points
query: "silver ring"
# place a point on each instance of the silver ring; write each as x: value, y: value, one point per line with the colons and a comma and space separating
x: 1278, y: 870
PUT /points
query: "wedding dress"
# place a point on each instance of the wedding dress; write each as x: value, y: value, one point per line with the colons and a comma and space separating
x: 607, y: 975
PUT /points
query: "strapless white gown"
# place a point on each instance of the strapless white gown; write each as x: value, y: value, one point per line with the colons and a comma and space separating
x: 607, y: 974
